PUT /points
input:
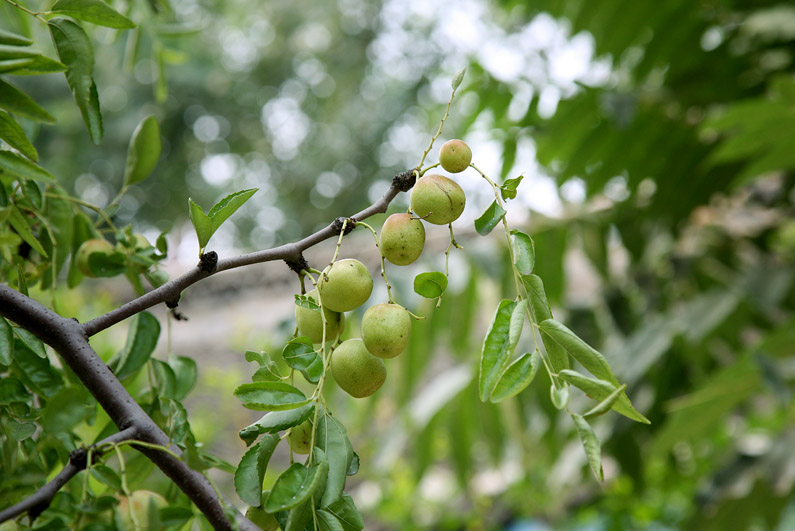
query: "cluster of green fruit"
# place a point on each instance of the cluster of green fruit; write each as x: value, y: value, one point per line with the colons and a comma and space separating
x: 357, y: 364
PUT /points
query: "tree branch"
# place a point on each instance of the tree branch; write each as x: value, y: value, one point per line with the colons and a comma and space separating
x: 291, y: 252
x: 42, y: 498
x: 67, y: 338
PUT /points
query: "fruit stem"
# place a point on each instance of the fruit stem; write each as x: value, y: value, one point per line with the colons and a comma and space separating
x: 432, y: 166
x: 439, y: 132
x: 383, y: 264
x: 339, y: 242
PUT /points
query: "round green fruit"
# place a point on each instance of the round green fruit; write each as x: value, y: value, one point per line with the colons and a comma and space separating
x: 385, y: 330
x: 455, y: 156
x: 88, y: 248
x: 345, y: 285
x: 262, y: 519
x: 301, y: 437
x: 402, y: 239
x: 137, y: 506
x: 437, y: 199
x: 310, y: 322
x: 355, y: 370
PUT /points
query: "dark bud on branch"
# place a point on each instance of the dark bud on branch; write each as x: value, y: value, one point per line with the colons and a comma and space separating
x: 405, y: 180
x: 208, y: 261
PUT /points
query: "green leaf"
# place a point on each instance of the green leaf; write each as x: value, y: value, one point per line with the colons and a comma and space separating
x: 430, y: 285
x: 11, y: 132
x: 66, y: 409
x: 306, y: 302
x: 22, y: 167
x: 345, y: 511
x: 333, y: 440
x: 20, y: 224
x: 270, y: 396
x: 165, y: 379
x: 17, y: 102
x: 516, y: 324
x: 35, y: 372
x: 207, y: 224
x: 143, y: 152
x: 59, y: 214
x: 297, y: 484
x: 496, y: 353
x: 458, y: 78
x: 490, y: 218
x: 579, y: 350
x: 593, y: 450
x: 508, y: 188
x: 516, y: 377
x: 141, y: 342
x: 277, y: 421
x: 94, y: 11
x: 107, y: 265
x: 559, y: 396
x: 6, y: 342
x: 328, y: 522
x: 600, y: 390
x: 19, y: 431
x: 605, y: 405
x: 252, y: 355
x: 12, y: 390
x: 539, y: 308
x: 32, y: 66
x: 106, y: 475
x: 75, y: 50
x: 251, y: 470
x: 35, y: 344
x: 524, y: 254
x: 299, y: 353
x: 186, y: 372
x: 269, y: 372
x: 7, y: 37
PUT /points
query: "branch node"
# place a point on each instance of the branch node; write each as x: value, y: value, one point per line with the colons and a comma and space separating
x: 403, y: 181
x: 208, y: 262
x: 337, y: 225
x: 79, y: 458
x: 298, y: 264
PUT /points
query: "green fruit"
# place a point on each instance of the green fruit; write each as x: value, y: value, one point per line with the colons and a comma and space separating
x: 301, y: 437
x: 310, y: 322
x: 345, y: 285
x: 355, y: 370
x: 402, y: 239
x: 455, y: 156
x: 88, y: 248
x: 385, y: 329
x: 437, y: 199
x: 262, y: 519
x: 138, y: 505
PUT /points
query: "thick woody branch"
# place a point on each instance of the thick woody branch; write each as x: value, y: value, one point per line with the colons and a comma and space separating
x: 291, y: 253
x: 68, y: 339
x: 41, y: 499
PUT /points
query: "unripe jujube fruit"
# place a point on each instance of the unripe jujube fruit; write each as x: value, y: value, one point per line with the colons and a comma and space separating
x: 402, y: 239
x: 455, y: 156
x: 301, y: 437
x: 385, y: 329
x: 345, y: 285
x: 437, y: 199
x: 355, y: 370
x: 88, y: 248
x: 310, y: 322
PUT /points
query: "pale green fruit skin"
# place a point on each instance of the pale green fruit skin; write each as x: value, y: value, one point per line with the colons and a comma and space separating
x: 455, y: 156
x: 385, y: 330
x: 261, y: 519
x: 139, y: 501
x: 310, y: 322
x: 349, y: 285
x: 437, y: 199
x: 402, y: 239
x: 356, y: 371
x: 301, y: 437
x: 86, y: 249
